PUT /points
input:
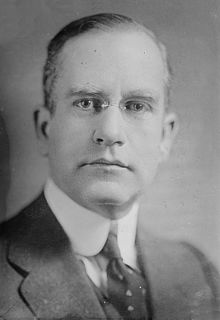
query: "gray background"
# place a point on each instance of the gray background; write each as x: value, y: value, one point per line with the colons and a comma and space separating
x: 184, y: 200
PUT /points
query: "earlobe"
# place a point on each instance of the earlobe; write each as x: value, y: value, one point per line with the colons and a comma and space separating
x: 170, y: 129
x: 42, y: 125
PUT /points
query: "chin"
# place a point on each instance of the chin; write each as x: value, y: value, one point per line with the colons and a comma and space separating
x: 109, y: 193
x: 113, y: 203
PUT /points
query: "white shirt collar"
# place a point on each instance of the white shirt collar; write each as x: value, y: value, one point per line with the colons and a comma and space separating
x: 88, y: 230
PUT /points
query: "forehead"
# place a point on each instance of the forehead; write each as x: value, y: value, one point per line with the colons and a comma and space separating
x: 129, y: 58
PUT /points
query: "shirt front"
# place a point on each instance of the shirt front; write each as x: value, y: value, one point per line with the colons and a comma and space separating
x: 88, y: 231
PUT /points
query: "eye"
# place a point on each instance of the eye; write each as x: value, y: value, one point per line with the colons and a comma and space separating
x: 85, y: 104
x: 88, y: 104
x: 138, y: 107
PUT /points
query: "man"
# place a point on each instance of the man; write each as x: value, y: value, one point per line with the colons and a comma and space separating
x: 105, y: 127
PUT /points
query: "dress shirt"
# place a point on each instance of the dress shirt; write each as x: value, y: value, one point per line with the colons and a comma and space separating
x: 88, y: 231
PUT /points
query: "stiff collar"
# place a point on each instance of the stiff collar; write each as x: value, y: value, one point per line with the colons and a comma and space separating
x: 88, y: 230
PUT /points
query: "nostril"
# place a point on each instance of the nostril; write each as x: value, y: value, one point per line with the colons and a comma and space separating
x: 99, y: 140
x: 104, y: 137
x: 120, y: 143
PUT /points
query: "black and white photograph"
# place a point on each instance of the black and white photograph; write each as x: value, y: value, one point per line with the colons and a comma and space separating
x: 109, y: 159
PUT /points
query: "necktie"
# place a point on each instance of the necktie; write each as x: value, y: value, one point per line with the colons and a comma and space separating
x: 126, y: 286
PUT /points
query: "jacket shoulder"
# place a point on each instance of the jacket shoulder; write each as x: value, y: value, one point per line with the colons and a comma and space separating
x: 184, y: 283
x: 23, y: 222
x: 11, y: 232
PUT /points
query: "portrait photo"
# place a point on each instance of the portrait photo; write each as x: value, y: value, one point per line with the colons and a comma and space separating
x: 109, y: 159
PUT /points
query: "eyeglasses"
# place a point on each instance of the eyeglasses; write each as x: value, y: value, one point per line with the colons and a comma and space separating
x: 134, y: 108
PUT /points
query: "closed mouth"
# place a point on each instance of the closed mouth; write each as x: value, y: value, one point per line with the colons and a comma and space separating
x: 104, y: 162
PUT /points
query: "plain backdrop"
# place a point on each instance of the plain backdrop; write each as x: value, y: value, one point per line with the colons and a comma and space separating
x: 184, y: 201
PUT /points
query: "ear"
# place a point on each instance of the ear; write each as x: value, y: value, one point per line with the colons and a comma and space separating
x: 42, y: 118
x: 170, y: 129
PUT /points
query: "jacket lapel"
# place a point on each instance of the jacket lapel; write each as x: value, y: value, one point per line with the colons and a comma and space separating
x: 177, y: 286
x: 54, y: 283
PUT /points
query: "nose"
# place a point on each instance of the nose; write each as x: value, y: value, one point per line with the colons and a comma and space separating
x: 109, y: 129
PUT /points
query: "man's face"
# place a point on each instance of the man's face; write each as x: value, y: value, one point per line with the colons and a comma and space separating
x: 108, y: 132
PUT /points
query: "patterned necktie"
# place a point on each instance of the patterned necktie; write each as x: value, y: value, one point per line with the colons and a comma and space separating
x: 126, y: 286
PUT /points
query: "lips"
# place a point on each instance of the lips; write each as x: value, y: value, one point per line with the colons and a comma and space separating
x: 105, y: 162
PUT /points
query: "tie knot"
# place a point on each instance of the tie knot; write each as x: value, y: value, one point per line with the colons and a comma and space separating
x: 111, y: 249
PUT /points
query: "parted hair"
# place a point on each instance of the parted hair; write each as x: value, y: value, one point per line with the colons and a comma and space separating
x: 101, y: 21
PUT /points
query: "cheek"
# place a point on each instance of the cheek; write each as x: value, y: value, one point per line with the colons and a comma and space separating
x: 147, y: 153
x: 67, y: 140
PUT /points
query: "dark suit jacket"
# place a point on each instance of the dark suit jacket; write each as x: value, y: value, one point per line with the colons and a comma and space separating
x: 40, y: 276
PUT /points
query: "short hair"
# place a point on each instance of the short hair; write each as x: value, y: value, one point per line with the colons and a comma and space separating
x: 104, y: 22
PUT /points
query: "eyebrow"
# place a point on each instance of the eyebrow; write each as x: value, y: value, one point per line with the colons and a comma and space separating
x: 137, y: 94
x: 84, y: 92
x: 142, y: 94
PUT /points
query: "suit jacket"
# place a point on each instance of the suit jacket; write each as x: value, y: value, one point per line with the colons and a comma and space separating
x: 40, y: 276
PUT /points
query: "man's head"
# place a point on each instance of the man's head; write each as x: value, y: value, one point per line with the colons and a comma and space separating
x: 104, y: 126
